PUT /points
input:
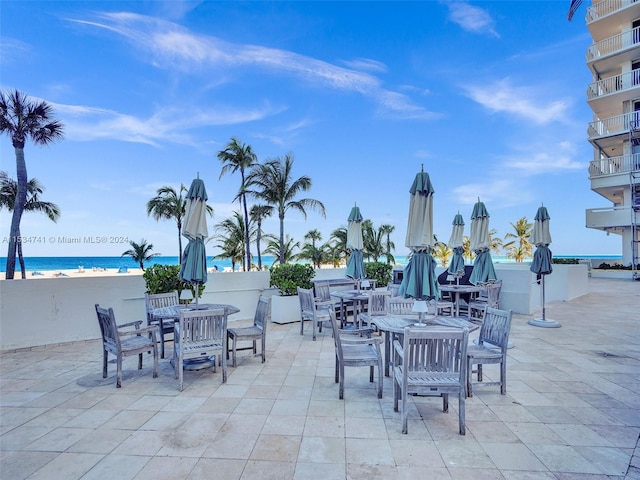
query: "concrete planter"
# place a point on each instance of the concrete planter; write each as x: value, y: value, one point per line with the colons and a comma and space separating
x: 285, y: 309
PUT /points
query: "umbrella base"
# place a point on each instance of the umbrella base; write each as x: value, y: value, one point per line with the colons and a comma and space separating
x: 194, y: 364
x: 544, y: 323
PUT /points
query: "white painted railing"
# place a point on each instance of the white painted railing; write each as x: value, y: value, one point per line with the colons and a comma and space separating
x: 613, y: 45
x: 615, y: 84
x: 614, y: 165
x: 615, y: 125
x: 606, y: 7
x: 610, y: 217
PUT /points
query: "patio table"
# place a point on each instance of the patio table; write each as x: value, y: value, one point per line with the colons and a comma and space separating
x: 358, y: 298
x: 393, y: 326
x: 457, y: 290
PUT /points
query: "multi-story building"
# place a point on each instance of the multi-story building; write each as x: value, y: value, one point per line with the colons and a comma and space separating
x: 614, y: 96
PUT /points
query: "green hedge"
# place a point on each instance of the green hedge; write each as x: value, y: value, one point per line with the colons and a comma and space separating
x: 165, y: 279
x: 379, y: 271
x: 287, y: 277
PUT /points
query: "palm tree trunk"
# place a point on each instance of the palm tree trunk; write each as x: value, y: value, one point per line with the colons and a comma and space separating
x: 18, y: 208
x: 246, y: 230
x: 180, y: 244
x: 281, y: 238
x: 259, y: 234
x: 21, y: 259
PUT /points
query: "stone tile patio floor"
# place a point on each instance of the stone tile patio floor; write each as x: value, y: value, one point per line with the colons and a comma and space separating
x: 572, y: 410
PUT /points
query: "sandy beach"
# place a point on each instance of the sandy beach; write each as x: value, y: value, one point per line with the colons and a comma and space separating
x: 78, y: 272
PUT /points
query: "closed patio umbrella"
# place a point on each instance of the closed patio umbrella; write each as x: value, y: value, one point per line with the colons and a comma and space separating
x: 456, y: 267
x: 541, y: 265
x: 419, y: 280
x: 193, y: 268
x: 483, y: 270
x: 355, y: 264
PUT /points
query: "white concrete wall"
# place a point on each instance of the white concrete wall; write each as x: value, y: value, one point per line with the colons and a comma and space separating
x: 46, y: 311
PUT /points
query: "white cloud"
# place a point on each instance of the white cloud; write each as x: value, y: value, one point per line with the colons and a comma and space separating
x: 367, y: 64
x: 172, y: 46
x: 502, y: 96
x: 471, y: 18
x: 500, y: 192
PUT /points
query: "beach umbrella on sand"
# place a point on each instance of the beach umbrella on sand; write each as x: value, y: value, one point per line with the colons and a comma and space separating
x: 355, y: 264
x: 483, y: 270
x: 456, y: 268
x: 193, y: 268
x: 419, y: 279
x: 541, y: 265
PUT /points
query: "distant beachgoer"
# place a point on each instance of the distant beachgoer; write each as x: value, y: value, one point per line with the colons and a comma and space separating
x: 215, y: 268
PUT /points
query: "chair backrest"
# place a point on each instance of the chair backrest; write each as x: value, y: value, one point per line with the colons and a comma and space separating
x: 305, y: 296
x: 394, y: 288
x: 159, y: 300
x: 430, y: 353
x: 261, y: 317
x: 377, y: 304
x: 495, y: 328
x: 366, y: 284
x: 201, y: 328
x: 336, y: 336
x: 322, y: 292
x: 400, y: 306
x: 493, y: 294
x: 108, y: 328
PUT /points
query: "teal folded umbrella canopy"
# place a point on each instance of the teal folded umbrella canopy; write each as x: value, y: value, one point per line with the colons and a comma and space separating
x: 456, y: 267
x: 483, y: 270
x: 541, y: 238
x: 355, y: 263
x: 193, y: 268
x: 419, y: 279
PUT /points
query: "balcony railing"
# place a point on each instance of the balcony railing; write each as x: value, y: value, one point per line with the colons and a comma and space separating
x: 615, y: 84
x: 616, y: 125
x: 606, y: 7
x: 614, y: 165
x: 615, y: 44
x: 610, y: 217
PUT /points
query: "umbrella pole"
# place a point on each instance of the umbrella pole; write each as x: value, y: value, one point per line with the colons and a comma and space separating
x: 544, y: 321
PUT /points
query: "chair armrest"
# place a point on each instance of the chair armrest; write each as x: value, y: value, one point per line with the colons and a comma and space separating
x: 361, y: 341
x: 152, y: 329
x: 398, y: 349
x: 136, y: 324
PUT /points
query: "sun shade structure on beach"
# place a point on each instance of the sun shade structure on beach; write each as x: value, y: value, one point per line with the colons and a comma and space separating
x: 194, y: 261
x: 419, y: 280
x: 541, y: 265
x: 355, y: 264
x: 456, y: 267
x: 483, y: 270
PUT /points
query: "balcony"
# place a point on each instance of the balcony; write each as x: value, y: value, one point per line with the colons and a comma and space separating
x: 607, y: 95
x: 610, y: 217
x: 605, y: 16
x: 609, y: 53
x: 612, y: 127
x: 623, y: 164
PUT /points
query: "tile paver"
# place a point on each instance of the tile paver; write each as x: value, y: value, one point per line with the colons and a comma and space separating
x: 572, y: 410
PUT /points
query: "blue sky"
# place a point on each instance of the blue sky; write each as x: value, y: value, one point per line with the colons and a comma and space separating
x: 488, y: 96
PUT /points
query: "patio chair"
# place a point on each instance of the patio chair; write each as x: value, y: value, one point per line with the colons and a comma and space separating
x: 376, y: 305
x: 159, y: 300
x: 121, y: 342
x: 430, y: 362
x: 313, y: 310
x: 355, y: 348
x: 200, y: 334
x: 400, y: 306
x: 490, y: 298
x: 493, y: 342
x: 251, y: 334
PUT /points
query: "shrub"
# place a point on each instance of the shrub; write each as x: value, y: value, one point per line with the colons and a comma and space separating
x: 287, y: 277
x: 615, y: 266
x: 379, y: 271
x: 565, y: 261
x: 165, y: 279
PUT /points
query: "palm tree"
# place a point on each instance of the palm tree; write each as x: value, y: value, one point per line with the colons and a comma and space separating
x: 466, y: 245
x: 372, y: 241
x: 140, y: 252
x: 257, y: 214
x: 233, y: 233
x: 238, y: 156
x: 311, y: 252
x: 442, y: 252
x: 495, y: 242
x: 282, y: 251
x: 23, y: 119
x: 169, y: 205
x: 275, y: 186
x: 523, y: 249
x: 386, y: 230
x: 8, y: 193
x: 339, y: 243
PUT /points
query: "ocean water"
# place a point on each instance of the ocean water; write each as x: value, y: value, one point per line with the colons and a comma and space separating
x: 72, y: 263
